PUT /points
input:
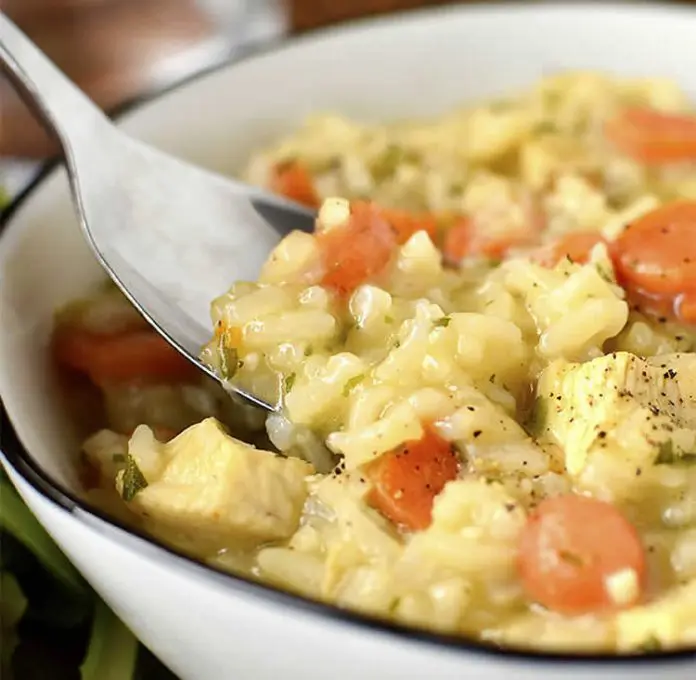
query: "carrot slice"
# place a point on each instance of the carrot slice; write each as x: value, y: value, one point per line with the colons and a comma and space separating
x: 405, y: 481
x: 685, y: 307
x: 293, y: 180
x: 458, y: 240
x: 463, y: 239
x: 122, y: 358
x: 656, y: 255
x: 357, y: 250
x: 576, y: 246
x: 406, y: 224
x: 569, y: 549
x: 653, y: 137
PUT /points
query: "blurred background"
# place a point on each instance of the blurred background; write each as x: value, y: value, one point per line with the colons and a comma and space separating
x: 118, y: 49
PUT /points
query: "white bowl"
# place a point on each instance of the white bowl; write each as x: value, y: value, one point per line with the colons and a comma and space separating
x: 210, y: 626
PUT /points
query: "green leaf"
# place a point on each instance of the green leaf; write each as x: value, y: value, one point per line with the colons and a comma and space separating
x: 17, y: 519
x: 112, y: 652
x: 289, y: 382
x: 133, y: 480
x: 442, y: 322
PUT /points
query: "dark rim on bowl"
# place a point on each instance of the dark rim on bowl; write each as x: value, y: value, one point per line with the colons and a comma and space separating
x: 22, y: 461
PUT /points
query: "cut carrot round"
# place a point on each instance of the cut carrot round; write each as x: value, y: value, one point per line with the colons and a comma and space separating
x: 653, y: 137
x: 685, y: 307
x: 569, y: 550
x: 127, y: 357
x: 576, y: 246
x: 467, y: 238
x: 406, y: 481
x: 293, y: 180
x: 357, y: 250
x: 464, y: 240
x: 458, y: 240
x: 656, y: 254
x: 407, y: 224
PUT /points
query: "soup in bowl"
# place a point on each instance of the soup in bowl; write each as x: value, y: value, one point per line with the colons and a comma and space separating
x: 482, y: 356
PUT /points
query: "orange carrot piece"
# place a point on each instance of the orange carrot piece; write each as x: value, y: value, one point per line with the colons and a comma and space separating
x: 406, y: 224
x: 122, y: 358
x: 656, y: 254
x: 576, y: 246
x: 293, y: 180
x: 653, y: 137
x: 570, y: 546
x: 463, y: 239
x: 357, y: 250
x: 406, y: 481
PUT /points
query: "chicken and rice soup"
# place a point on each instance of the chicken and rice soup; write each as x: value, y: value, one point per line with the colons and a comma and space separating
x: 485, y: 359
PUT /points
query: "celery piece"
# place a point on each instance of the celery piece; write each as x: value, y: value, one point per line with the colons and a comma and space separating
x: 17, y: 519
x: 112, y: 652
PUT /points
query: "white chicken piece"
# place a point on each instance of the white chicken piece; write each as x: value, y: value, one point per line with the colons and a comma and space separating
x: 207, y: 491
x: 635, y: 412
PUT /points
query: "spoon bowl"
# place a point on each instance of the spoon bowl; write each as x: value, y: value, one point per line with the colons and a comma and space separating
x: 168, y: 233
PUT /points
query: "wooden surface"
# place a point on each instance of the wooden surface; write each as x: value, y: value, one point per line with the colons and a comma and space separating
x: 113, y: 49
x: 308, y: 14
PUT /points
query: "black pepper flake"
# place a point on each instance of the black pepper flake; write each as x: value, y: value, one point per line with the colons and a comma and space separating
x: 477, y: 433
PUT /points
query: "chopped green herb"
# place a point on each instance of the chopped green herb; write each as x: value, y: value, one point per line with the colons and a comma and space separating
x: 353, y: 382
x: 651, y: 644
x: 309, y: 350
x: 288, y: 382
x: 229, y: 360
x: 387, y: 163
x: 388, y: 318
x: 536, y: 424
x: 397, y: 344
x: 133, y: 480
x: 668, y: 456
x: 443, y: 322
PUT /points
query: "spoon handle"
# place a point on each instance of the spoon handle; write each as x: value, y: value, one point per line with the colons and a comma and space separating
x: 62, y: 106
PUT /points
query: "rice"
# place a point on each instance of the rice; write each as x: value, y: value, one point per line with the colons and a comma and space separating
x: 459, y: 351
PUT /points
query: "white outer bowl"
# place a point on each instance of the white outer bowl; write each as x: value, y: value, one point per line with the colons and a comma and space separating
x: 208, y: 626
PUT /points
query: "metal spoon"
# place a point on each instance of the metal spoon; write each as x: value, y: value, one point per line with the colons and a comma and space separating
x: 171, y: 236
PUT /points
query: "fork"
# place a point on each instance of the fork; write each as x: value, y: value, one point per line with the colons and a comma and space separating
x: 171, y: 236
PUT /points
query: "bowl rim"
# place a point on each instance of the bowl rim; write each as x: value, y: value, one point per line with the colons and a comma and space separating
x: 54, y: 492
